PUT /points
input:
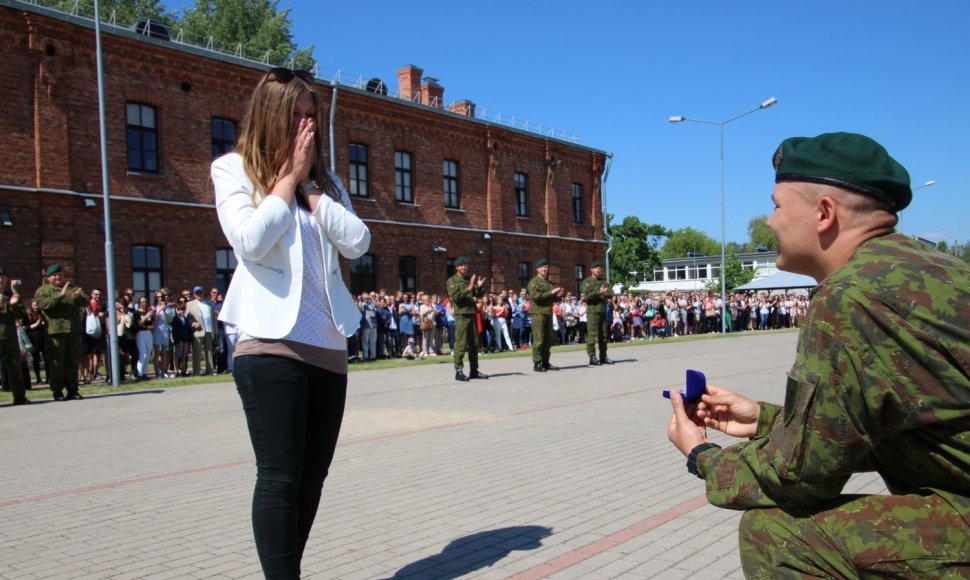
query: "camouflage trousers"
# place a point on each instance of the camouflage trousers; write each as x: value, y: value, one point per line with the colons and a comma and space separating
x: 596, y: 334
x: 542, y: 337
x: 872, y: 536
x: 466, y: 340
x: 62, y: 353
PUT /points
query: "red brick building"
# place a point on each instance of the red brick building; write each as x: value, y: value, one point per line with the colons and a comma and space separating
x: 433, y: 182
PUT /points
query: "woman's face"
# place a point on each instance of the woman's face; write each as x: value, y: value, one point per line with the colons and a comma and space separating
x: 303, y: 109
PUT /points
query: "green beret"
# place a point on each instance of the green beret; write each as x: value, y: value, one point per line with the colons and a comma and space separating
x: 596, y: 264
x: 846, y: 160
x: 52, y: 269
x: 542, y: 262
x: 461, y: 260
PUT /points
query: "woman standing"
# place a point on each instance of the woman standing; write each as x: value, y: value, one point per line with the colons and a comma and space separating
x: 144, y: 320
x: 288, y: 219
x: 428, y: 314
x: 162, y: 337
x: 35, y: 332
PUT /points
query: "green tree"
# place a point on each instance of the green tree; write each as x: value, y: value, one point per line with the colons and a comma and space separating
x: 634, y: 249
x: 959, y: 249
x: 125, y: 12
x: 685, y: 241
x: 734, y: 275
x: 761, y: 234
x: 259, y: 27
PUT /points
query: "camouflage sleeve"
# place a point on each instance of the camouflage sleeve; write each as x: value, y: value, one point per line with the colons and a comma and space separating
x: 458, y: 292
x: 540, y: 292
x: 868, y: 390
x: 591, y: 290
x: 804, y: 452
x: 48, y: 297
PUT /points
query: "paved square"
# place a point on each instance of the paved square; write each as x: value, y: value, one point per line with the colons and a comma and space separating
x: 559, y: 475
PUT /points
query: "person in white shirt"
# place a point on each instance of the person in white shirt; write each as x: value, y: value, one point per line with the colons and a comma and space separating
x: 288, y: 220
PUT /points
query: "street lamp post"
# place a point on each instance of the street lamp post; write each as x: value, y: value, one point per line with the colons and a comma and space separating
x: 681, y: 119
x: 915, y: 189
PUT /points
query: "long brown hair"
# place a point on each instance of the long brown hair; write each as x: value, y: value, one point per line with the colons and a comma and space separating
x: 266, y: 134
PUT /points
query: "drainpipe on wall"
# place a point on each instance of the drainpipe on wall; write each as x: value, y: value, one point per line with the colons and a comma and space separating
x: 333, y: 112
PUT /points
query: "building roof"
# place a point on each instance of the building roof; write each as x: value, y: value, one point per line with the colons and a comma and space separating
x: 780, y: 281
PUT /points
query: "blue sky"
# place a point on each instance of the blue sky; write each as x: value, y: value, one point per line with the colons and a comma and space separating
x: 612, y: 72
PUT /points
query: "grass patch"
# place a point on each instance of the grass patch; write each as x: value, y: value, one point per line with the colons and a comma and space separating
x: 41, y: 392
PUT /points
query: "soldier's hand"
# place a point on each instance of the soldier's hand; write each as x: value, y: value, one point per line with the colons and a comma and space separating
x: 481, y: 281
x: 686, y: 430
x: 729, y: 412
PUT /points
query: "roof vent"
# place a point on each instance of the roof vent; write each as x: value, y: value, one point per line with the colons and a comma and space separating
x: 376, y: 85
x: 153, y: 28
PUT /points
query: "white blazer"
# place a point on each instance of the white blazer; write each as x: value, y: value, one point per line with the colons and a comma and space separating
x: 264, y: 296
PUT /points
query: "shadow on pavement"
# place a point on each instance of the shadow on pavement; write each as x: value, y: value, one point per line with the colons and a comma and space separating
x: 509, y: 374
x: 474, y: 552
x: 125, y: 394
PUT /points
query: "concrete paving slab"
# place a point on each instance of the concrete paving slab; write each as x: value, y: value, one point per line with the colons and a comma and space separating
x: 559, y: 475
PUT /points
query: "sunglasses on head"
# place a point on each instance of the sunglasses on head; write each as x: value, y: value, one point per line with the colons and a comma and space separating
x: 285, y: 75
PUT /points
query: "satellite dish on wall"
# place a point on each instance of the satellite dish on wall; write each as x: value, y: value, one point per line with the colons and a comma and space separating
x: 153, y: 28
x: 376, y: 85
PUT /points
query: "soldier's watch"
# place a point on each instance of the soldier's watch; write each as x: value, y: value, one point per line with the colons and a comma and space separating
x: 692, y: 457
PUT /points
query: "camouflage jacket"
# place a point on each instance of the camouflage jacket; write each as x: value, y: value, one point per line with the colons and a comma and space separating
x: 881, y: 381
x: 540, y: 292
x: 595, y: 302
x: 61, y: 313
x: 463, y: 299
x: 9, y: 315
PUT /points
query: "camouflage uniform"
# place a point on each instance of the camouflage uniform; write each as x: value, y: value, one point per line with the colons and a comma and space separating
x: 881, y: 382
x: 10, y: 346
x: 540, y: 292
x: 63, y: 349
x: 466, y: 329
x: 596, y: 326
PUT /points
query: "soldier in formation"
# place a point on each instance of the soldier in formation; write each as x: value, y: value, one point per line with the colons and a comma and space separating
x: 463, y: 289
x: 11, y: 310
x: 596, y: 293
x: 543, y: 295
x: 60, y: 305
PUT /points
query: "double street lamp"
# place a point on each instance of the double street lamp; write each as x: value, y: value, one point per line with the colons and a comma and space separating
x: 720, y: 124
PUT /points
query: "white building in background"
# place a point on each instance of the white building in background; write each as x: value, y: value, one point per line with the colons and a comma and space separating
x: 695, y: 272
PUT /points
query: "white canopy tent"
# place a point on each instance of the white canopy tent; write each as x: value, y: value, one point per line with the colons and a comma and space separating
x: 780, y: 281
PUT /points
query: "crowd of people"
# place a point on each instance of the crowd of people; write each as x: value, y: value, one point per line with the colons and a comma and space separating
x: 420, y: 325
x: 165, y: 337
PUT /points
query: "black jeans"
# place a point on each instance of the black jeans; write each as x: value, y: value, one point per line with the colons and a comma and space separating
x: 293, y: 411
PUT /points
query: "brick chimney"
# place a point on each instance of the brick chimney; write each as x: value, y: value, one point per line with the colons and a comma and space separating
x: 465, y: 107
x: 432, y: 94
x: 409, y: 81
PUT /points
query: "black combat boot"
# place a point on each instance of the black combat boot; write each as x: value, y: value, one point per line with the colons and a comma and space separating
x: 460, y: 376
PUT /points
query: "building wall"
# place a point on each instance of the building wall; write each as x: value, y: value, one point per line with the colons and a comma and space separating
x: 50, y: 163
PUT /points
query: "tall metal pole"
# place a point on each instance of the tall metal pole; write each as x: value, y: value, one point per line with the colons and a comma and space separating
x: 720, y: 124
x: 109, y: 263
x: 723, y: 246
